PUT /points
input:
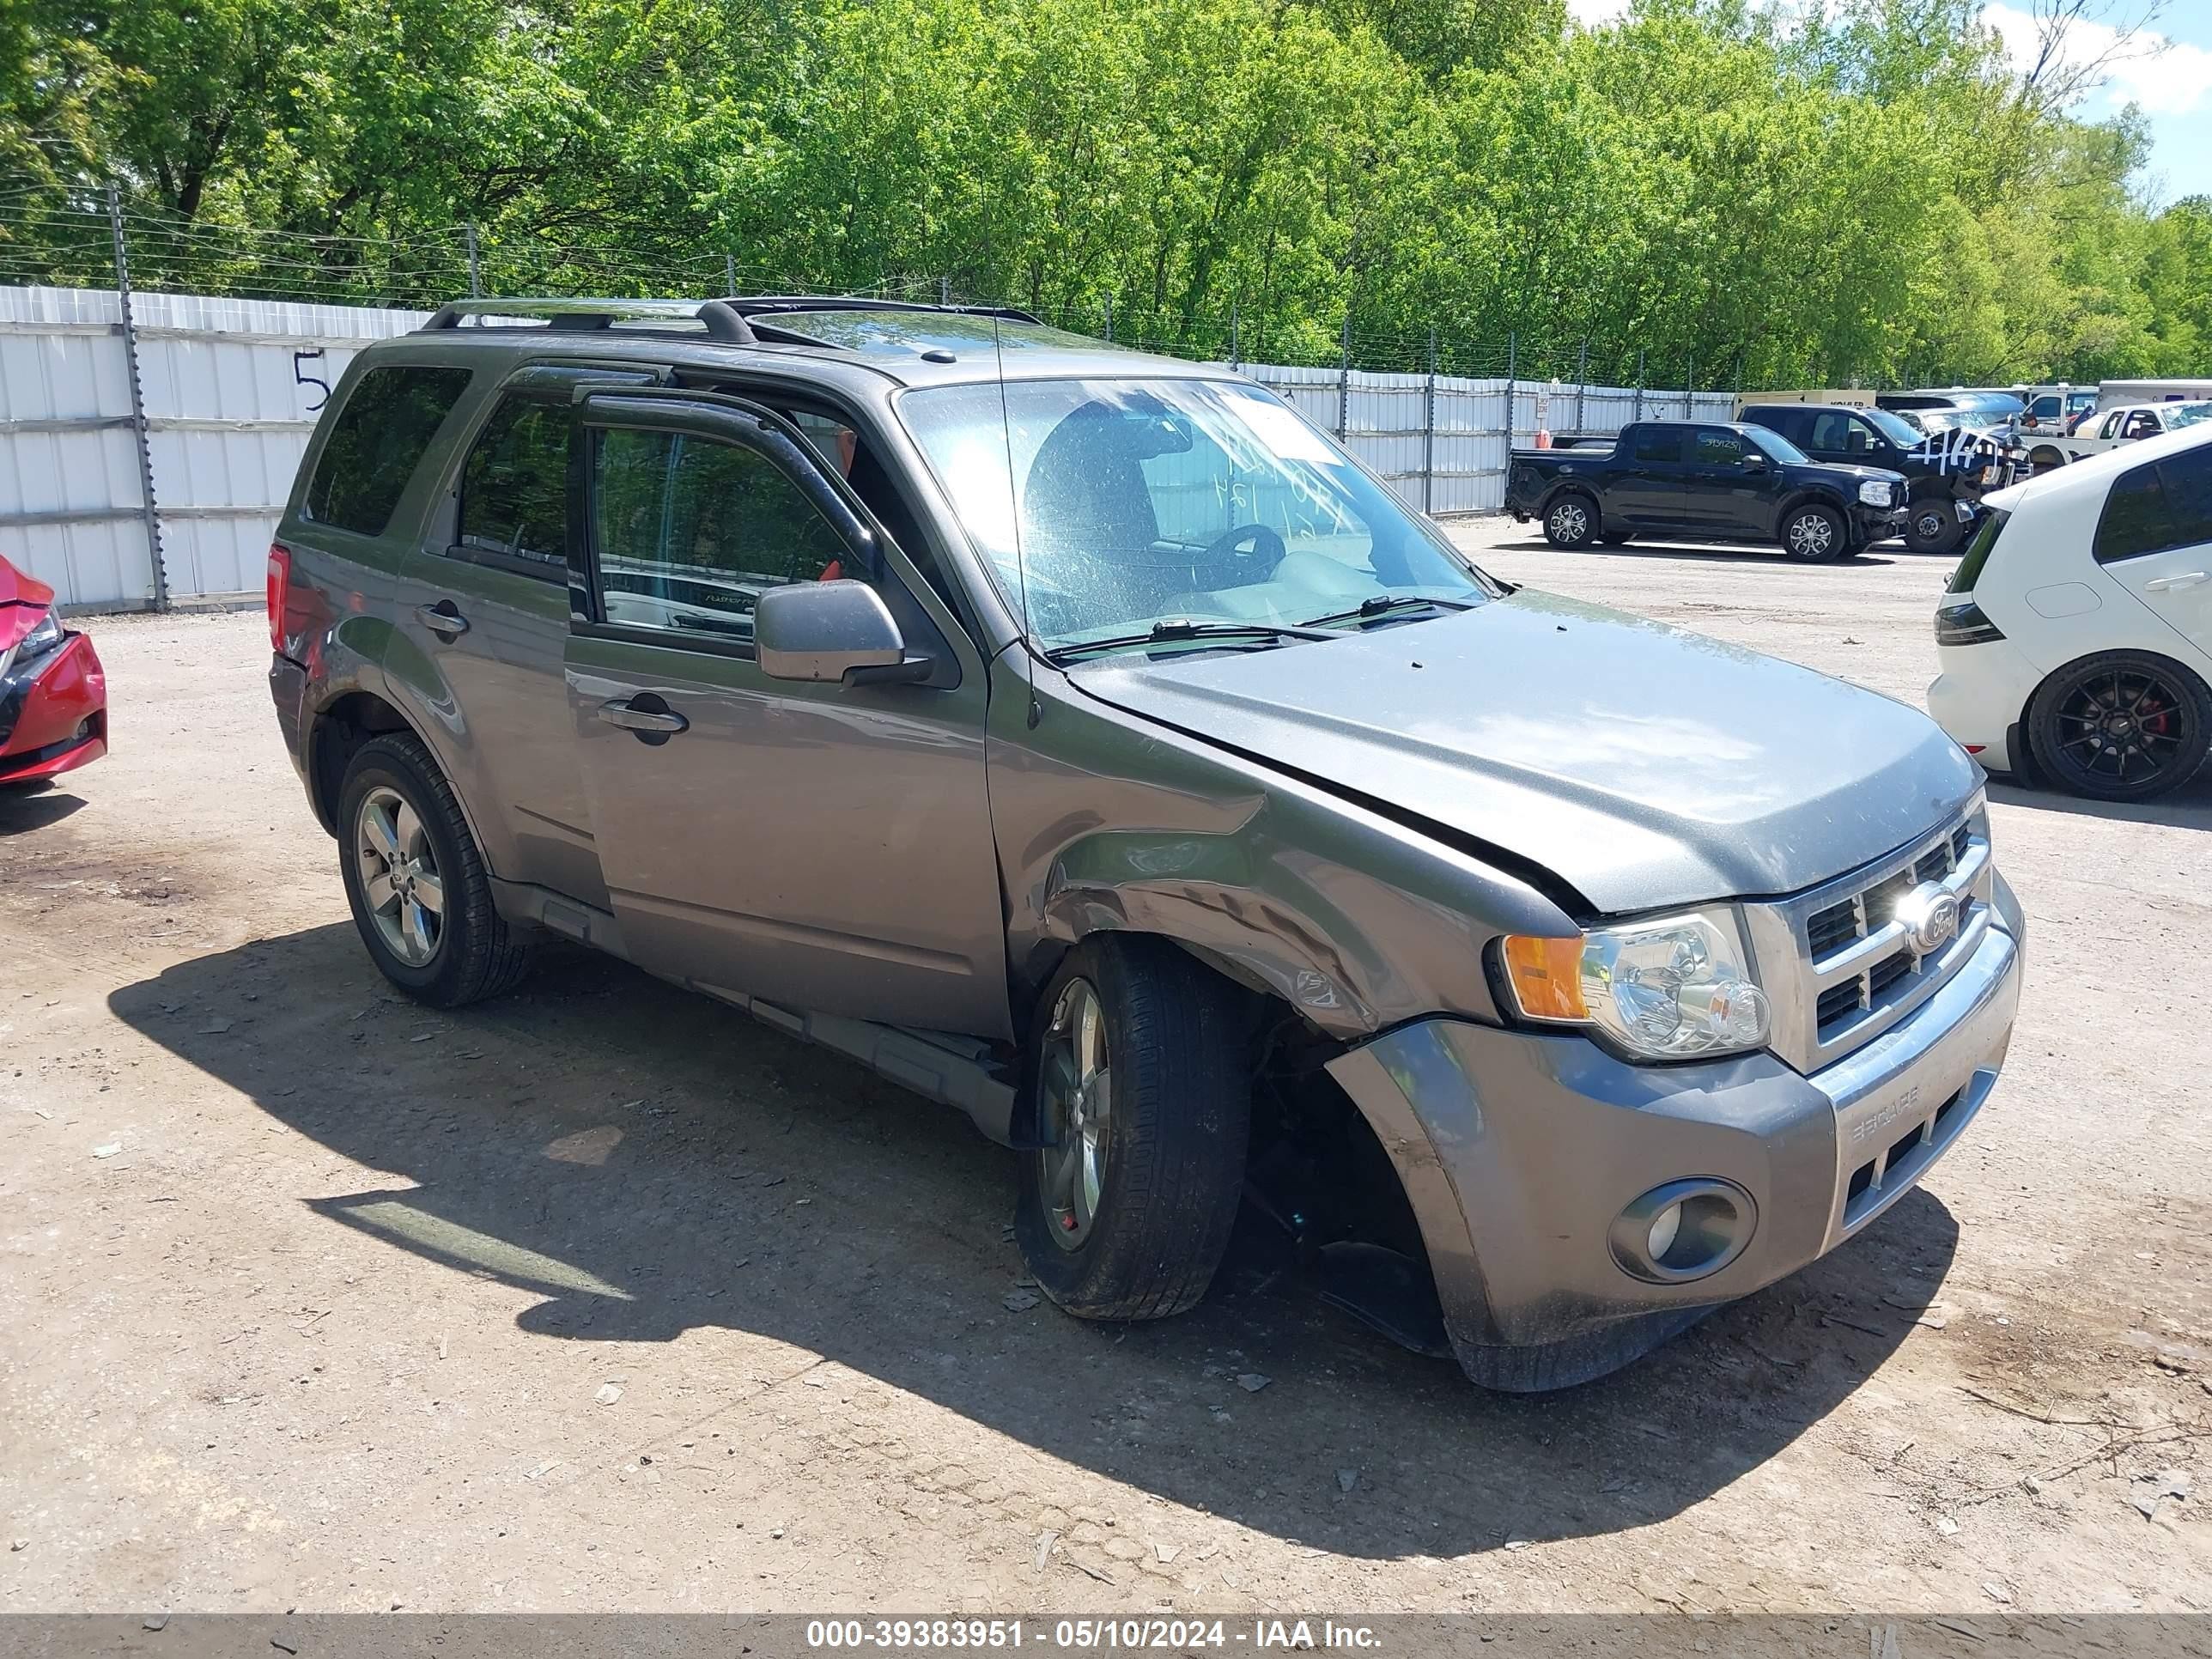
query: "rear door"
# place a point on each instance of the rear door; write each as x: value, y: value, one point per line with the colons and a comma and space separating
x: 1646, y: 482
x: 2155, y: 539
x: 825, y: 847
x: 481, y: 623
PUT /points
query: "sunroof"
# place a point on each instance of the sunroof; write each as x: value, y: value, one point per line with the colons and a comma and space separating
x: 907, y: 333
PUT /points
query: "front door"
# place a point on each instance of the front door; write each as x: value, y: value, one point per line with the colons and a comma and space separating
x: 1733, y: 499
x: 824, y: 847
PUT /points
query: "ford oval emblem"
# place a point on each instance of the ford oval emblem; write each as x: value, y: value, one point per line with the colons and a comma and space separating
x: 1929, y: 915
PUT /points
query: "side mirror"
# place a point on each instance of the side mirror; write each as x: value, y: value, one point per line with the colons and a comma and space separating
x: 829, y: 632
x: 1754, y: 461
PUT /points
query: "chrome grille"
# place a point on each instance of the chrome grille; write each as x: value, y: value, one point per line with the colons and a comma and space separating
x: 1837, y: 964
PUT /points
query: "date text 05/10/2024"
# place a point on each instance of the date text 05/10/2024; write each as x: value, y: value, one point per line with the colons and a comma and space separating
x: 1109, y: 1635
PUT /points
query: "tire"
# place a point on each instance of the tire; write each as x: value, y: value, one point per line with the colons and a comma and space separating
x: 2041, y: 461
x: 470, y: 953
x: 1616, y: 539
x: 1931, y: 526
x: 1171, y: 1158
x: 2094, y: 721
x: 1572, y: 520
x: 1814, y: 534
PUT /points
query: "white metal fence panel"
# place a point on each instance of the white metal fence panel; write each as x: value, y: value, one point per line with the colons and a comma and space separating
x: 231, y: 386
x: 230, y: 392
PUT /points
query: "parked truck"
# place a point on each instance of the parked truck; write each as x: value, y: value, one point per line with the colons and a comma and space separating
x: 1706, y: 481
x: 1946, y: 473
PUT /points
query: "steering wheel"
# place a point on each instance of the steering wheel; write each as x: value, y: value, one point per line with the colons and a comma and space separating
x: 1266, y: 545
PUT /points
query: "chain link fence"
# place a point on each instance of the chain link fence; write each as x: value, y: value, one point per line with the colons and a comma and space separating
x: 244, y: 330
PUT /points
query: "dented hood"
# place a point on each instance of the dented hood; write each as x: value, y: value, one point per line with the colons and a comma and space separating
x: 23, y: 604
x: 1643, y: 765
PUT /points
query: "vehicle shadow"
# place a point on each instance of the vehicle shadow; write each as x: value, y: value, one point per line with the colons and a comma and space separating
x: 22, y: 811
x: 761, y: 1186
x: 2188, y: 807
x: 1642, y: 549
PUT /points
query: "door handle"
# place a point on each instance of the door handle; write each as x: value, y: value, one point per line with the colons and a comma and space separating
x: 2167, y: 583
x: 662, y: 722
x: 442, y: 619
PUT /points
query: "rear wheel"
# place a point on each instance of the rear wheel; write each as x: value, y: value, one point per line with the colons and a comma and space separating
x: 1572, y: 521
x: 2121, y: 726
x: 1814, y: 534
x: 1138, y: 1065
x: 420, y: 893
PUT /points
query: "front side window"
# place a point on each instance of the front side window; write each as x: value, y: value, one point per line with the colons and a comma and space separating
x: 375, y: 443
x: 514, y: 491
x: 1833, y: 430
x: 1718, y: 448
x: 689, y: 532
x: 1106, y: 507
x: 2136, y: 519
x: 2143, y: 424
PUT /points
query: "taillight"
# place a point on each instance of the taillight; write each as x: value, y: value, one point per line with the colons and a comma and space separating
x: 280, y: 592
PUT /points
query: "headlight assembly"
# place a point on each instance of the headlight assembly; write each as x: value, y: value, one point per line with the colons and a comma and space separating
x: 1676, y: 988
x: 40, y: 640
x: 1873, y: 492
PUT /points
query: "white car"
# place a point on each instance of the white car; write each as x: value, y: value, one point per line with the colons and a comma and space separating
x: 2110, y: 428
x: 2076, y: 639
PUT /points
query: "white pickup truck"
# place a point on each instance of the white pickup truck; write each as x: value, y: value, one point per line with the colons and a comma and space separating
x: 2108, y: 428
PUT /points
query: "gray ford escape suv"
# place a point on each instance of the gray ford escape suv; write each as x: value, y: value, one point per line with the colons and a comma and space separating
x: 1082, y: 738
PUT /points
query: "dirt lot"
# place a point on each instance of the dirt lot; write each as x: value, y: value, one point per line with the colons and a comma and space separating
x: 604, y: 1297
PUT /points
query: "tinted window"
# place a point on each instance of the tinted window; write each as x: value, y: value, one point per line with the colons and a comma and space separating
x: 376, y: 442
x: 1718, y: 448
x: 2188, y: 480
x: 1658, y: 443
x: 514, y: 491
x: 689, y: 532
x: 2134, y: 520
x: 1832, y: 429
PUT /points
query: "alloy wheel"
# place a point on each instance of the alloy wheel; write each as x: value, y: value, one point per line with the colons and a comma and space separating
x: 1075, y: 1097
x: 1570, y: 523
x: 2123, y: 726
x: 399, y: 880
x: 1811, y: 535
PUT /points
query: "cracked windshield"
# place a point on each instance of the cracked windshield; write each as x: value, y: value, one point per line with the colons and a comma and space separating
x: 1157, y: 510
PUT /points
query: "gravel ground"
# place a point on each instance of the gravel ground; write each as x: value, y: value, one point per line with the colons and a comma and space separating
x: 602, y: 1297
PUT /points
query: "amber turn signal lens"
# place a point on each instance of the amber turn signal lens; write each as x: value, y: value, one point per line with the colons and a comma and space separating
x: 1546, y: 975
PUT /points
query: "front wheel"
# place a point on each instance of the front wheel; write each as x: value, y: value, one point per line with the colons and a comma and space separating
x: 1138, y: 1066
x: 1814, y: 534
x: 1572, y: 521
x: 2121, y: 726
x: 1932, y: 527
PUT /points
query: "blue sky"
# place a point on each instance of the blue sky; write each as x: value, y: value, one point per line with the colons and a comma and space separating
x: 2166, y: 70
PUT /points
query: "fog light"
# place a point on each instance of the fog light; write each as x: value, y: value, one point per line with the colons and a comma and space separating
x: 1683, y: 1230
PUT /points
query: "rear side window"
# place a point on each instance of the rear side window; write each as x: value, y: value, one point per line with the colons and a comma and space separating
x: 2188, y: 480
x: 376, y: 442
x: 689, y: 532
x: 514, y: 491
x: 1658, y: 443
x: 2136, y: 519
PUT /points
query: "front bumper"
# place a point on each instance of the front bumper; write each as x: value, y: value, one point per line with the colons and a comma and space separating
x: 1518, y: 1150
x: 1877, y: 524
x: 54, y: 713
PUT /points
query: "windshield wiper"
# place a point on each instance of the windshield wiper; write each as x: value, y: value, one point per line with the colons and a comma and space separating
x: 1382, y: 604
x: 1175, y: 631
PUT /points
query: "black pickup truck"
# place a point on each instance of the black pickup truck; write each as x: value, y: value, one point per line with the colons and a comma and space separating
x: 1948, y: 471
x: 1706, y: 481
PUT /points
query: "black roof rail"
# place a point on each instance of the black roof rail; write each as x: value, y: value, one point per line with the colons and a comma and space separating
x: 718, y: 317
x: 758, y: 305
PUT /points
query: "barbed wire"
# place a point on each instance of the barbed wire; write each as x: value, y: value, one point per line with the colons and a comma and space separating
x: 62, y: 235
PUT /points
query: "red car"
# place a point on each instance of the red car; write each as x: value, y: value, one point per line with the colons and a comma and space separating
x: 53, y: 695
